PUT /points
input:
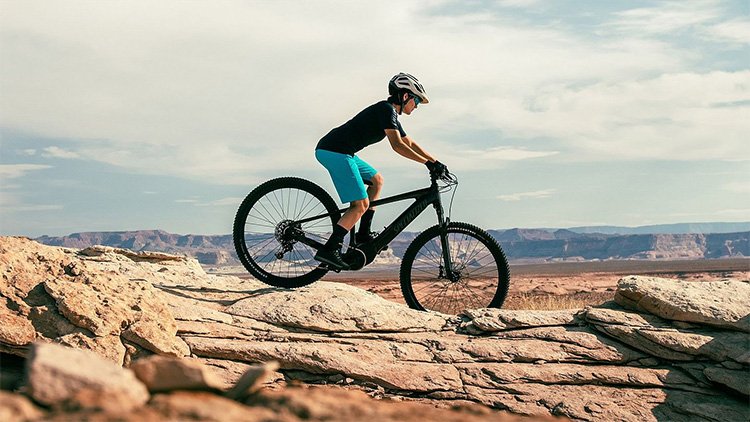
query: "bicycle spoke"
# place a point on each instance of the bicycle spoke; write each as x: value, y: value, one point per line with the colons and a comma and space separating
x: 305, y: 211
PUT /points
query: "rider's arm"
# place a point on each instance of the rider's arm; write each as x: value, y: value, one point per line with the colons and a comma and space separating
x: 403, y: 148
x: 416, y: 148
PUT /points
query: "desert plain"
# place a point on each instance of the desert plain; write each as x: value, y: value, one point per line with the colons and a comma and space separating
x: 552, y: 285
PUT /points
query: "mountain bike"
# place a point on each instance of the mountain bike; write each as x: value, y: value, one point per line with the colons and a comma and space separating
x: 447, y: 268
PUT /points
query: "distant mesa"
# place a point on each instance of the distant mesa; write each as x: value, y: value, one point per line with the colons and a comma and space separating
x: 541, y: 245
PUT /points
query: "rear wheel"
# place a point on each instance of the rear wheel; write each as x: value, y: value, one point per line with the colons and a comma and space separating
x: 264, y: 227
x: 480, y: 275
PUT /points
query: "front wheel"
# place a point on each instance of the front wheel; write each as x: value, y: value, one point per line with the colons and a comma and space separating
x: 480, y: 274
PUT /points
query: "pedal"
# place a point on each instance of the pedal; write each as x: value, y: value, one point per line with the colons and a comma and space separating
x: 324, y: 266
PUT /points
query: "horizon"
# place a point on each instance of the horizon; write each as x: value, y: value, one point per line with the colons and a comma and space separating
x: 564, y: 114
x: 663, y: 226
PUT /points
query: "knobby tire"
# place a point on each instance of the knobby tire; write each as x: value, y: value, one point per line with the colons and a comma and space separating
x: 277, y: 200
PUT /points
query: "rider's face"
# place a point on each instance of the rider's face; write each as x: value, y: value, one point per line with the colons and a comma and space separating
x: 410, y: 106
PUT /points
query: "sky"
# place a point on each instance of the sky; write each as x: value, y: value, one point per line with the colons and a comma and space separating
x: 163, y: 115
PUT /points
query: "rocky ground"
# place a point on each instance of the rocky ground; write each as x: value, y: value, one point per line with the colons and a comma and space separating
x: 663, y: 350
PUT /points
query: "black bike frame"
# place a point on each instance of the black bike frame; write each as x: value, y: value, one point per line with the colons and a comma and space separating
x: 423, y: 198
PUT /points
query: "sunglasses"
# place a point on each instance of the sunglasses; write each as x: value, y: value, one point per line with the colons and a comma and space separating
x: 417, y: 100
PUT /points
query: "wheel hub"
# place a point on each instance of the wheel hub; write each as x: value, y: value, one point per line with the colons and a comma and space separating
x: 454, y: 276
x: 284, y: 235
x: 282, y: 232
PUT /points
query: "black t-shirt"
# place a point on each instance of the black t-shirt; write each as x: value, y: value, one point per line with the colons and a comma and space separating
x: 366, y: 128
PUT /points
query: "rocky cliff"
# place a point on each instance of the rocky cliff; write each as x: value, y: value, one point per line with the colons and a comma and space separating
x: 517, y: 243
x: 567, y: 245
x: 664, y: 350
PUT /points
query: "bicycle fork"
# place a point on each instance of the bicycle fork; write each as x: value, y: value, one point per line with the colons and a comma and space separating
x: 447, y: 271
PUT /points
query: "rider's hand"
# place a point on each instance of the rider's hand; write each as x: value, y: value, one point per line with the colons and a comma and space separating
x: 437, y: 168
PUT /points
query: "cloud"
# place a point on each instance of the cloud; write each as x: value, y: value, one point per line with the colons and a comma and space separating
x: 231, y: 92
x: 668, y: 117
x: 517, y: 3
x: 707, y: 20
x: 733, y: 31
x: 735, y: 212
x: 466, y: 159
x: 223, y: 202
x: 527, y: 195
x: 738, y: 187
x: 20, y: 208
x: 666, y: 17
x: 507, y: 154
x: 233, y: 201
x: 57, y: 152
x: 13, y: 171
x: 13, y: 203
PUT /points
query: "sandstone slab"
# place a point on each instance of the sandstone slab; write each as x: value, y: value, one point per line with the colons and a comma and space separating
x: 365, y: 361
x: 737, y: 380
x: 661, y: 338
x: 336, y: 307
x: 498, y: 375
x: 478, y: 321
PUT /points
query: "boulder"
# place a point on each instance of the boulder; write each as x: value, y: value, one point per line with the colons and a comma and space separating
x: 96, y: 299
x: 252, y: 381
x: 203, y: 406
x: 17, y: 408
x: 58, y: 374
x: 722, y: 304
x: 15, y: 329
x: 161, y: 373
x: 116, y: 304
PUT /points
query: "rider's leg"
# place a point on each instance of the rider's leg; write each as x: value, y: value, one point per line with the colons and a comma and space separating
x: 330, y: 253
x: 354, y: 213
x: 373, y: 193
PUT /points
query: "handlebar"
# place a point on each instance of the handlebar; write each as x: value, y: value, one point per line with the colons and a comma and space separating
x: 445, y: 176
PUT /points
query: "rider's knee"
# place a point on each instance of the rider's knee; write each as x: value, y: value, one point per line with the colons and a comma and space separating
x: 360, y: 206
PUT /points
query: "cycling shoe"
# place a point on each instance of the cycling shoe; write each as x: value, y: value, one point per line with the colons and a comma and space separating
x: 332, y: 258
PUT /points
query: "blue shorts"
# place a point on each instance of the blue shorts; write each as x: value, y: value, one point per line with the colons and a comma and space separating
x: 348, y: 173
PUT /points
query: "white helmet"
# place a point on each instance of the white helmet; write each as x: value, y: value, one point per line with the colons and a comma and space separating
x: 406, y: 82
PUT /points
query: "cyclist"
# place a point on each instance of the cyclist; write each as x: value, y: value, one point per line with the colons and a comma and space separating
x: 336, y: 151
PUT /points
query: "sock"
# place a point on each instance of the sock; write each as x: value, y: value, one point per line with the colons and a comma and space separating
x: 366, y: 221
x: 334, y: 242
